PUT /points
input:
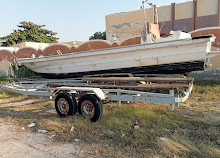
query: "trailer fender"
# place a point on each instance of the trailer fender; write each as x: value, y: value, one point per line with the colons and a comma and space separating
x: 97, y: 91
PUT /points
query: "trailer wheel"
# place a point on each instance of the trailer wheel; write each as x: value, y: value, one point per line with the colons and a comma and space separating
x: 90, y: 107
x: 65, y: 105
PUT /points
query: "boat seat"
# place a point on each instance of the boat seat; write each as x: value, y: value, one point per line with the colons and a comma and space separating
x: 154, y: 30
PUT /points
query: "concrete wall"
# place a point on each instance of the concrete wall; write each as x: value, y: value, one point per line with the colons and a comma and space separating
x: 12, y: 49
x: 207, y: 7
x: 126, y: 25
x: 73, y: 43
x: 28, y: 49
x: 184, y: 10
x: 164, y: 13
x: 6, y: 57
x: 215, y: 61
x: 186, y: 16
x: 34, y: 45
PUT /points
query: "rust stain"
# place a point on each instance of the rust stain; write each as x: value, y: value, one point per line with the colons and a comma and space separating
x: 134, y: 98
x: 158, y: 60
x: 141, y: 63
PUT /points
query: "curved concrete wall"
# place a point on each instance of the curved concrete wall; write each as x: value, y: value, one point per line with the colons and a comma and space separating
x: 208, y: 31
x: 56, y: 49
x: 26, y: 53
x: 115, y: 44
x: 93, y: 45
x: 8, y: 56
x: 215, y: 61
x: 131, y: 41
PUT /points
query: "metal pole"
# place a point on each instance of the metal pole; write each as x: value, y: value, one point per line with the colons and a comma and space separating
x: 145, y: 17
x: 119, y: 101
x: 172, y: 106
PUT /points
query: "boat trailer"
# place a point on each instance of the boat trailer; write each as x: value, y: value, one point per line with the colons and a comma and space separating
x: 87, y: 95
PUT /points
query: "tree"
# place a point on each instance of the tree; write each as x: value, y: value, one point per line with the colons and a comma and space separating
x: 30, y: 32
x: 98, y: 35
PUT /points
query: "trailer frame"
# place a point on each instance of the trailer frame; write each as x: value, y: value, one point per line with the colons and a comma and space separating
x: 79, y: 88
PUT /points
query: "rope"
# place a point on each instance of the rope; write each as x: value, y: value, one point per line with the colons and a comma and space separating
x: 165, y: 17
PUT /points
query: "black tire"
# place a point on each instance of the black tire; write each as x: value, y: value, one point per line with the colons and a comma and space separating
x: 95, y: 103
x: 65, y: 105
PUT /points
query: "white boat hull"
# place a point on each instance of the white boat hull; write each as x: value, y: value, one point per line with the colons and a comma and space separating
x: 143, y: 55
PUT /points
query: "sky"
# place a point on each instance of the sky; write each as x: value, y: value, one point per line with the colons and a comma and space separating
x: 73, y: 20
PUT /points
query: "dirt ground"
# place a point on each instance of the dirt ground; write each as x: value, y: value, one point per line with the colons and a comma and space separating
x: 21, y: 142
x: 16, y: 142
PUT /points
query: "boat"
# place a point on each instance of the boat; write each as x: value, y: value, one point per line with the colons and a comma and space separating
x: 176, y: 54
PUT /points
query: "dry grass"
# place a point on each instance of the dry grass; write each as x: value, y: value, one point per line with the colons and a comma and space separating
x: 207, y: 91
x: 193, y: 130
